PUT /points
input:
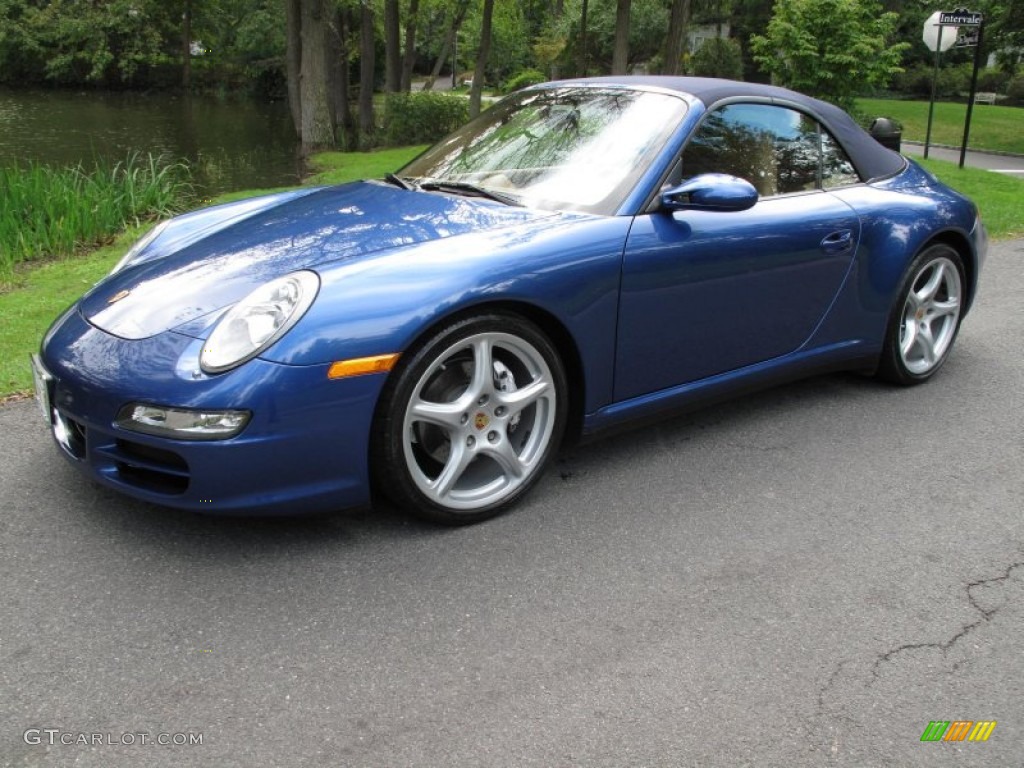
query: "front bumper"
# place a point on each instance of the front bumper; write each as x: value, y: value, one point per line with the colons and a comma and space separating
x: 304, y: 450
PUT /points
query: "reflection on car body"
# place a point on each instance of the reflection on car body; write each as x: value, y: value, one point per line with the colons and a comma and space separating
x: 583, y: 254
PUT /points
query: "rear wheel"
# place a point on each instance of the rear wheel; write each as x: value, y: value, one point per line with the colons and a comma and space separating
x: 469, y: 421
x: 925, y: 317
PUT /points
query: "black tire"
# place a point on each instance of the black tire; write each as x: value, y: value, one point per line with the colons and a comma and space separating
x: 457, y: 445
x: 925, y: 317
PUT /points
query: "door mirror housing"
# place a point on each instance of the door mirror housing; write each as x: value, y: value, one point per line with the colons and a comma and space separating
x: 710, y: 192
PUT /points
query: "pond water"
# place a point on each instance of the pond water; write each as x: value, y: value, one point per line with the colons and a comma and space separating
x: 233, y: 143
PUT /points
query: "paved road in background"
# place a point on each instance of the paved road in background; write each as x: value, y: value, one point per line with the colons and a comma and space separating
x: 1008, y: 164
x: 805, y: 577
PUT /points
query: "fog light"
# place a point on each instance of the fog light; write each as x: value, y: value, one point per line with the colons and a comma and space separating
x: 182, y: 423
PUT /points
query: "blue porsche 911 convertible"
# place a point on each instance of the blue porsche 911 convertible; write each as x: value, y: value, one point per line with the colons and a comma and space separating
x: 583, y: 254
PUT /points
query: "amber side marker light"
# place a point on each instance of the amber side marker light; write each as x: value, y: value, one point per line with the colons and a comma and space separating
x: 362, y: 365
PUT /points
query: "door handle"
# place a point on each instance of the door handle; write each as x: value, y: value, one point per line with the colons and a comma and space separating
x: 838, y: 242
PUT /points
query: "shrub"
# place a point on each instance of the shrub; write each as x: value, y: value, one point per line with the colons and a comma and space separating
x: 52, y: 211
x: 523, y: 79
x: 993, y: 80
x: 1015, y: 90
x: 422, y: 118
x: 952, y: 82
x: 916, y: 81
x: 719, y: 57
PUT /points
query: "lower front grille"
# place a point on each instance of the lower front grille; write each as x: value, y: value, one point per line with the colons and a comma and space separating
x: 148, y: 468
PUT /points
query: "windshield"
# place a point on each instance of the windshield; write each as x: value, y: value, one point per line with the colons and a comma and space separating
x: 568, y: 148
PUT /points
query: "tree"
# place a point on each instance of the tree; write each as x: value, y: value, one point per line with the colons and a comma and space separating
x: 481, y: 59
x: 366, y: 67
x: 392, y: 52
x: 582, y: 67
x: 620, y: 54
x: 1004, y: 32
x: 409, y: 56
x: 293, y: 59
x: 317, y: 106
x: 719, y: 57
x: 832, y: 49
x: 456, y: 19
x: 648, y: 20
x: 186, y: 45
x: 678, y: 20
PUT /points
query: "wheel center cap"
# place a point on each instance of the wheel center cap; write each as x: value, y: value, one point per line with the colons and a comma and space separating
x: 481, y: 420
x: 919, y: 315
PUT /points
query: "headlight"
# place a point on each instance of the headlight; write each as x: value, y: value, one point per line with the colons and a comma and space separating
x: 141, y: 245
x: 258, y: 320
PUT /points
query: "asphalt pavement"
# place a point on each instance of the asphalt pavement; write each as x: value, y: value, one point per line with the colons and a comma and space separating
x: 1000, y: 163
x: 805, y: 577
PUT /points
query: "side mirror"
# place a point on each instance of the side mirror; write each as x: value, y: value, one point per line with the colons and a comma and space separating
x: 710, y: 192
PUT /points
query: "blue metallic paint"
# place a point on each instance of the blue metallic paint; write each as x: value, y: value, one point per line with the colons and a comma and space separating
x: 330, y: 225
x: 730, y: 289
x: 664, y: 310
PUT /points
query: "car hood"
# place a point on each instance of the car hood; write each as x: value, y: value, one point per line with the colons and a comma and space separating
x: 230, y: 260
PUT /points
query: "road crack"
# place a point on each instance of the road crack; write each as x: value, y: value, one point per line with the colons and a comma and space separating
x: 986, y: 615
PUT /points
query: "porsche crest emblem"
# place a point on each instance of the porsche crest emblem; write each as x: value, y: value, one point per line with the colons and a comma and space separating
x: 481, y: 421
x: 118, y: 296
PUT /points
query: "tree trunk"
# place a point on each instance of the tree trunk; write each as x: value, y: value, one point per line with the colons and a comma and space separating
x: 409, y: 59
x: 293, y: 60
x: 315, y: 95
x: 557, y: 8
x: 186, y: 46
x: 366, y: 70
x: 446, y: 46
x: 392, y: 52
x: 481, y: 59
x: 581, y: 65
x: 620, y: 55
x: 678, y: 21
x: 338, y: 54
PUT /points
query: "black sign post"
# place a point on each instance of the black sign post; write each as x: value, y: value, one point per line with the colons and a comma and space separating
x: 961, y: 17
x: 974, y: 91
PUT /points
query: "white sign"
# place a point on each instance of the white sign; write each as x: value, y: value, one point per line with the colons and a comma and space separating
x: 934, y: 29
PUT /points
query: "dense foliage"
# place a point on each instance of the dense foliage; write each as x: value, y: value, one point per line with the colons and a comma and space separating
x: 422, y: 118
x: 140, y: 43
x: 834, y: 49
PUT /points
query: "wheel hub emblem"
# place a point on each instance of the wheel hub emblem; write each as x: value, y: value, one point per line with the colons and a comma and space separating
x: 919, y: 315
x: 481, y: 421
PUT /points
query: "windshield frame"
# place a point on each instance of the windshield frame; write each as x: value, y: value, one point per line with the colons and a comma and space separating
x: 435, y: 164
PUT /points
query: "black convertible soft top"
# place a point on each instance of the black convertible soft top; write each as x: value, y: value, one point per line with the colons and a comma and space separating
x: 872, y: 160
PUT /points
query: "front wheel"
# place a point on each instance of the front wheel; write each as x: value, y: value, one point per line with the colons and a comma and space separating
x: 469, y: 420
x: 925, y: 317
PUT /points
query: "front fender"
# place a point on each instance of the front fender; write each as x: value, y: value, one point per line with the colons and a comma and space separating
x: 569, y: 266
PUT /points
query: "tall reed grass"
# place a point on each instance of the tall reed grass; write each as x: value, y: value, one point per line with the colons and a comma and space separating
x: 47, y: 212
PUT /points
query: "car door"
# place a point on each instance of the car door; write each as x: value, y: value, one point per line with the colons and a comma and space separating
x: 704, y: 292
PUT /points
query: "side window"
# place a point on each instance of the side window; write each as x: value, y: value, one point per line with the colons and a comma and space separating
x: 776, y: 149
x: 836, y: 168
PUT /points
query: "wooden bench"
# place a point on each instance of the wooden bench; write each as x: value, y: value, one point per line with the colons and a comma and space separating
x: 984, y: 97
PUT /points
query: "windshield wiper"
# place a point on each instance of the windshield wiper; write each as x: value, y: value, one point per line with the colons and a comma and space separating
x: 398, y: 181
x: 469, y: 189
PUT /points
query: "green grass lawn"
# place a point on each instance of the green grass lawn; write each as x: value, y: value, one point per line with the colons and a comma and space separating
x: 998, y: 195
x: 992, y: 127
x: 42, y: 292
